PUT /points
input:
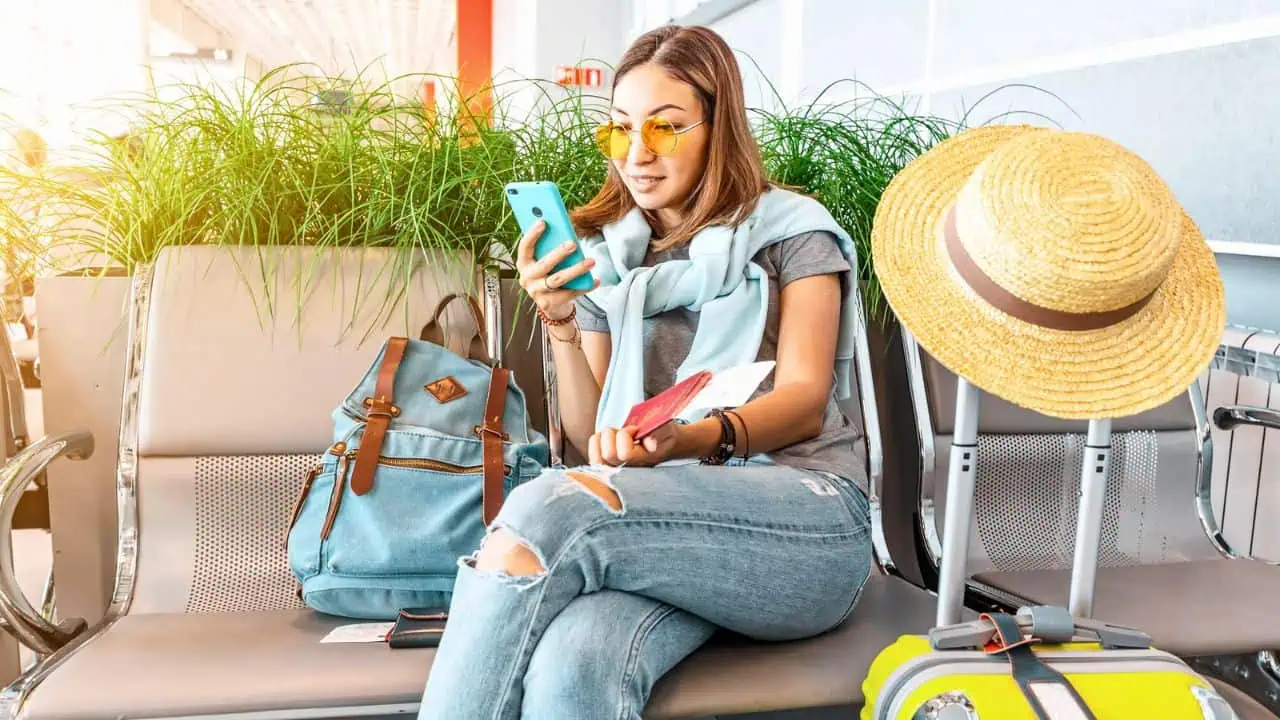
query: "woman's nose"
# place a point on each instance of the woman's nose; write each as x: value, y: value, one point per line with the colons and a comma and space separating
x: 638, y: 154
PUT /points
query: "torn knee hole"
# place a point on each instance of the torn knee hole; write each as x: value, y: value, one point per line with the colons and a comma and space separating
x: 597, y: 487
x: 503, y: 551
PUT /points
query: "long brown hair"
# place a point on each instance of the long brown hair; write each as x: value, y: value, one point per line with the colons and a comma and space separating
x: 734, y: 177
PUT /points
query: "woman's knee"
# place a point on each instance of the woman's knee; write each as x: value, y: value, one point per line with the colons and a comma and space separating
x: 503, y: 551
x: 538, y: 496
x: 530, y: 508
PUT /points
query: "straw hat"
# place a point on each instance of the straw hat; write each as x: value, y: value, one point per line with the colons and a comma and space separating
x: 1053, y: 269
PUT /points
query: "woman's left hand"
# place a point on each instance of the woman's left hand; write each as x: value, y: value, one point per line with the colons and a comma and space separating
x: 617, y: 446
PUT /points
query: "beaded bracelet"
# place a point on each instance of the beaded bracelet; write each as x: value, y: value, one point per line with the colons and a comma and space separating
x: 557, y: 322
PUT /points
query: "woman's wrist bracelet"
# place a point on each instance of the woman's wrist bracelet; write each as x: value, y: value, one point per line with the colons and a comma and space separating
x: 746, y: 437
x: 574, y: 339
x: 728, y: 440
x: 557, y: 322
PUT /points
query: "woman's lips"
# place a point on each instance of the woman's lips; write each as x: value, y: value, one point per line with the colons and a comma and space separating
x: 645, y: 183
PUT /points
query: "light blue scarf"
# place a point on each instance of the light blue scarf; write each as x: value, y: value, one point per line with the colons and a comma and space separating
x: 719, y: 279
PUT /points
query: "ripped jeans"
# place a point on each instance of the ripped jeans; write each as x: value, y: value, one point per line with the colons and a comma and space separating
x: 636, y: 572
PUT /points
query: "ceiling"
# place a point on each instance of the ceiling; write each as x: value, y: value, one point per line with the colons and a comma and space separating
x: 386, y: 37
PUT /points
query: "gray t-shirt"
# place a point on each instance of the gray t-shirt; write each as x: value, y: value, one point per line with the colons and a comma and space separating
x: 838, y: 448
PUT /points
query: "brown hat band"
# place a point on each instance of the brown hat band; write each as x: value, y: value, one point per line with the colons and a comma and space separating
x: 1014, y: 306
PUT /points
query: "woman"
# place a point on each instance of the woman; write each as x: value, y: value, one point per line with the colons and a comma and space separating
x: 596, y: 581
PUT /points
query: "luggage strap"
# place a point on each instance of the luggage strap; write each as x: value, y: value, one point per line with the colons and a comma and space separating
x: 1050, y: 694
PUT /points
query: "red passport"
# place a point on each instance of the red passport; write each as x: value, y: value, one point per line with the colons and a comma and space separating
x: 663, y: 407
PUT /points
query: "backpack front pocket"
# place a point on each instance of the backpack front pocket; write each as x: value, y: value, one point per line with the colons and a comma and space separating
x: 419, y: 518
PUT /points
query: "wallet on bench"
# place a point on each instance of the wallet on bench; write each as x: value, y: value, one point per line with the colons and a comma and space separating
x: 416, y: 628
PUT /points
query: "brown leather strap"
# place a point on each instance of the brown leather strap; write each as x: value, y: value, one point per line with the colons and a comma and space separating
x: 379, y: 410
x: 478, y: 348
x: 1014, y: 306
x: 492, y: 436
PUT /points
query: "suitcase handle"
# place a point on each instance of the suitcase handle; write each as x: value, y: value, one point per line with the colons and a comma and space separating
x: 958, y: 519
x: 1046, y: 623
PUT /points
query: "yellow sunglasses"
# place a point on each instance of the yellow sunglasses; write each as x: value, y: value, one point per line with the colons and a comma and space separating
x: 657, y: 133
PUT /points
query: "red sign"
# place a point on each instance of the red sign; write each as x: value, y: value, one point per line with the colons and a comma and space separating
x: 429, y: 98
x: 580, y: 76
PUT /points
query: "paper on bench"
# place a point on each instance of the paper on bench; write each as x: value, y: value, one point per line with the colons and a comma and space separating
x: 728, y: 389
x: 359, y: 633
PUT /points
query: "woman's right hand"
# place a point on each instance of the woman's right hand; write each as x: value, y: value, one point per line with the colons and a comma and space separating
x: 545, y: 287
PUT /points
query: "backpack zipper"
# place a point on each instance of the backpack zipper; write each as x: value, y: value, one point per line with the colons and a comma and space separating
x: 340, y: 449
x: 345, y: 457
x: 302, y: 498
x: 335, y: 496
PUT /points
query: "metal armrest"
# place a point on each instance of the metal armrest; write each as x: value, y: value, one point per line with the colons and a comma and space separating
x: 24, y: 621
x: 1229, y: 416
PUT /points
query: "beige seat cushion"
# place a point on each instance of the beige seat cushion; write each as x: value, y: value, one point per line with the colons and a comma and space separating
x: 1205, y: 607
x: 826, y: 671
x: 160, y: 665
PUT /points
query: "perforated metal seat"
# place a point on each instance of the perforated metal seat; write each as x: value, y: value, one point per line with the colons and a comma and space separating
x: 1164, y: 566
x: 223, y: 415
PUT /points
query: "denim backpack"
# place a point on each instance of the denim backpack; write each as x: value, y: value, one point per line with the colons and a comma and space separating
x: 425, y: 450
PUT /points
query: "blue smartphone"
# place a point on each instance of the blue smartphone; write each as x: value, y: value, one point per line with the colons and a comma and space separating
x: 534, y: 201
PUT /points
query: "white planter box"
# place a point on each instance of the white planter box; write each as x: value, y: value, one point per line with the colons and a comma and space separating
x: 82, y: 339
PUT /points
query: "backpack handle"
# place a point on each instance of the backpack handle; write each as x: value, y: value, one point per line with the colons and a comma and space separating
x: 432, y: 332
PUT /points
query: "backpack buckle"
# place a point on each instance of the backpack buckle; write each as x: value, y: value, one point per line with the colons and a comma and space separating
x: 481, y: 430
x: 380, y: 406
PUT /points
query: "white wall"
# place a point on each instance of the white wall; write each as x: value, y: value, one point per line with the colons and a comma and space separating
x: 1185, y: 83
x: 532, y: 38
x: 1182, y: 82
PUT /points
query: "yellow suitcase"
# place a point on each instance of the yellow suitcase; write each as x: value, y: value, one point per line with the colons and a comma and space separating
x: 1032, y: 666
x: 974, y: 675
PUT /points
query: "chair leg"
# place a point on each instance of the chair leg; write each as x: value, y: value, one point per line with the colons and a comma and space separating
x: 1246, y: 707
x: 1269, y: 662
x: 1252, y: 674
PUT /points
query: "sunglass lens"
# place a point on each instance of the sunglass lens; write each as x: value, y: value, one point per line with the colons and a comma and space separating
x: 604, y: 138
x: 613, y: 141
x: 659, y: 136
x: 619, y: 143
